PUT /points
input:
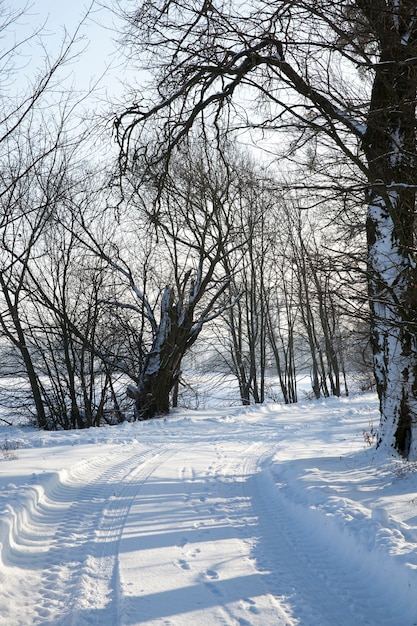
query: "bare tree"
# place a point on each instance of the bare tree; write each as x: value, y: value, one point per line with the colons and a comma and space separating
x: 37, y: 143
x: 246, y: 320
x: 29, y: 192
x: 187, y: 214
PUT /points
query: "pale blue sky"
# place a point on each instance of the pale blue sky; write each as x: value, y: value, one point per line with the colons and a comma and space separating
x: 97, y: 32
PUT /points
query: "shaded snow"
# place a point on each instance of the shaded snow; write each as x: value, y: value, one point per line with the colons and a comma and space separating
x: 258, y: 516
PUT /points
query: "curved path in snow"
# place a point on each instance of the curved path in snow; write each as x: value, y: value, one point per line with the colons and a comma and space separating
x: 189, y: 532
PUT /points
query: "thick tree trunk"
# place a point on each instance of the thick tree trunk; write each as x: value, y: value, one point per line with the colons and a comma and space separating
x: 392, y: 290
x: 174, y: 336
x: 390, y: 148
x: 152, y: 397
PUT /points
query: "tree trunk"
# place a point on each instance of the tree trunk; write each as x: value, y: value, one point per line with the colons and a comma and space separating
x: 161, y: 371
x: 19, y: 340
x: 235, y: 325
x: 390, y: 148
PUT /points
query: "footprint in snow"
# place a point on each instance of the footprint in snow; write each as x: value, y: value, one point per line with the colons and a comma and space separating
x: 252, y: 607
x: 214, y: 589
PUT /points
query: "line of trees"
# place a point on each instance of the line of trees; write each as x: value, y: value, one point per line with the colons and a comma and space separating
x: 108, y: 279
x: 340, y: 74
x: 107, y: 282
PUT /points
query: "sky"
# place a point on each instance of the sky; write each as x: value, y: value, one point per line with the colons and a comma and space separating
x: 97, y: 47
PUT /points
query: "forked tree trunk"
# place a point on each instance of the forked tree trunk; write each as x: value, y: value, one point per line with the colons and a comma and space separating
x: 175, y: 334
x: 390, y: 148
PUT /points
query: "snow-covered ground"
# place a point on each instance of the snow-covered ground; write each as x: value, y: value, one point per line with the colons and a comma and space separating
x: 260, y: 516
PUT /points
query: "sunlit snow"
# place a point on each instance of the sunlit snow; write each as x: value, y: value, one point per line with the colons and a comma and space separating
x: 258, y: 516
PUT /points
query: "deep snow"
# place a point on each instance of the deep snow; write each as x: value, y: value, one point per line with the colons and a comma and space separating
x: 260, y: 516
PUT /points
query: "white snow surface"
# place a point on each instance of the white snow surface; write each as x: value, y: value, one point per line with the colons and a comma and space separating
x: 264, y: 515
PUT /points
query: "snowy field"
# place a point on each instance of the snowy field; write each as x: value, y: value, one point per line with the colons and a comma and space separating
x: 262, y: 516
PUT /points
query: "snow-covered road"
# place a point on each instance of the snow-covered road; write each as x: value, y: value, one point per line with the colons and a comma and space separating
x: 265, y: 516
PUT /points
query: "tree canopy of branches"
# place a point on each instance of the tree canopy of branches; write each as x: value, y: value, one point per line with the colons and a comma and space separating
x: 187, y: 228
x: 40, y: 137
x: 342, y: 72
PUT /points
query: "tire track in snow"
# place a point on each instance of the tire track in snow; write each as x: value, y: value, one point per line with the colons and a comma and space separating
x: 28, y: 529
x: 304, y: 552
x: 294, y: 551
x: 69, y: 528
x: 209, y: 573
x: 261, y: 606
x: 97, y: 593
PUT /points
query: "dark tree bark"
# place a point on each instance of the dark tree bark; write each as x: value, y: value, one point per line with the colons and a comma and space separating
x: 176, y: 332
x: 390, y: 148
x: 173, y: 338
x: 13, y: 330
